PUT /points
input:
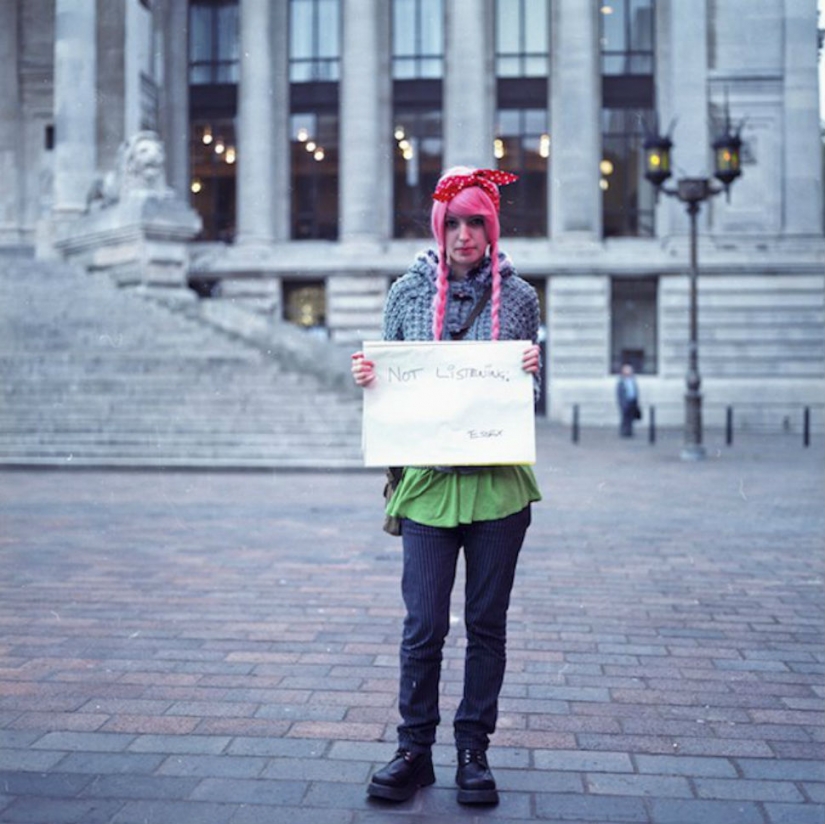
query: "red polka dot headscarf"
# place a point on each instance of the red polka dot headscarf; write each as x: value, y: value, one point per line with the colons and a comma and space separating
x: 487, y: 179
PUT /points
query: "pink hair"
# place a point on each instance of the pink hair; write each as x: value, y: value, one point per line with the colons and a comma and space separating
x: 471, y: 201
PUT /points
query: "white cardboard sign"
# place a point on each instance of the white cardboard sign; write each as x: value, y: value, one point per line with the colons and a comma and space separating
x: 452, y: 403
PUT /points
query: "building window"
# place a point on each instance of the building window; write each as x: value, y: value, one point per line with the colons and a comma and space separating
x: 213, y: 42
x: 314, y: 41
x: 627, y: 59
x: 417, y: 39
x: 304, y: 304
x: 418, y: 63
x: 522, y: 35
x: 213, y: 157
x: 416, y: 169
x: 522, y: 146
x: 628, y: 200
x: 314, y: 163
x: 214, y: 53
x: 627, y: 37
x: 314, y: 69
x: 633, y: 328
x: 522, y: 141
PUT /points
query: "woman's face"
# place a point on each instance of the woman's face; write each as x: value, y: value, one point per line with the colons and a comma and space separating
x: 466, y: 242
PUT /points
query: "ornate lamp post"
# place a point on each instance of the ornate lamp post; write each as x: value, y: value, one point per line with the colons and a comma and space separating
x: 692, y: 191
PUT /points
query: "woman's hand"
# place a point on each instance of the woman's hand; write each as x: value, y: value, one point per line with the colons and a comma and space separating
x: 363, y: 371
x: 531, y: 359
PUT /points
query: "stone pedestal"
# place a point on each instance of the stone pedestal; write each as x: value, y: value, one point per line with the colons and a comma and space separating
x: 135, y: 228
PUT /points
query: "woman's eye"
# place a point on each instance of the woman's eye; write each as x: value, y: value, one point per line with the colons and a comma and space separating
x: 450, y: 223
x: 476, y: 221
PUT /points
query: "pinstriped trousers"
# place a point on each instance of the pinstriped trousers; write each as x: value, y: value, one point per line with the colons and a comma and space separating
x: 491, y: 550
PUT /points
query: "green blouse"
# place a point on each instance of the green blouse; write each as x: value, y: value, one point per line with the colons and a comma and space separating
x: 447, y: 499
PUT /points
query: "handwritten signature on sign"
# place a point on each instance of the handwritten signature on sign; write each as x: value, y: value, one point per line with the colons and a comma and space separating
x: 474, y: 434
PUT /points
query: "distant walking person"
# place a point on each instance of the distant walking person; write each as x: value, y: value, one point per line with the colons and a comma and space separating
x: 627, y: 396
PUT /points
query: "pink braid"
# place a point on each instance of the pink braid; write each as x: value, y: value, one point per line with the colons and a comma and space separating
x: 440, y: 299
x: 495, y: 298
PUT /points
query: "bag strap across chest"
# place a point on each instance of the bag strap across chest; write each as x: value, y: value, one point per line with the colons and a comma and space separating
x: 476, y: 311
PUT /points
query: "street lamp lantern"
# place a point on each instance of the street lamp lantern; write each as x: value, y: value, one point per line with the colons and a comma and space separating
x: 692, y: 191
x: 657, y: 159
x: 727, y: 155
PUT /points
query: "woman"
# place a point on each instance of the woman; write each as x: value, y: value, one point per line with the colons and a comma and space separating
x: 484, y: 510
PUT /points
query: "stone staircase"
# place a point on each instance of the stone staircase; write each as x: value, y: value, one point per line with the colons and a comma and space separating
x: 96, y: 376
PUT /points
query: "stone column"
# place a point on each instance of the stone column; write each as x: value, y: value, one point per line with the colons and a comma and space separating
x: 469, y: 83
x: 111, y: 82
x: 802, y: 181
x: 256, y: 150
x: 172, y: 30
x: 682, y: 99
x: 75, y: 63
x: 10, y: 205
x: 366, y: 123
x: 279, y: 124
x: 575, y: 89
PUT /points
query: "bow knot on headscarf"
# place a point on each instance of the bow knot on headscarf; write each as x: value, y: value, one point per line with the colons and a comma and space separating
x: 487, y: 179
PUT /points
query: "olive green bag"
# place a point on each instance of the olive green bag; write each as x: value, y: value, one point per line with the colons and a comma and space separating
x: 392, y: 524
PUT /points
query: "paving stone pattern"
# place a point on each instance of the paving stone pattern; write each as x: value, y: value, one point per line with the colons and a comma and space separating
x: 222, y: 646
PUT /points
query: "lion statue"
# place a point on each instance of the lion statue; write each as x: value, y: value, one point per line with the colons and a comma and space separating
x: 141, y: 164
x: 140, y: 170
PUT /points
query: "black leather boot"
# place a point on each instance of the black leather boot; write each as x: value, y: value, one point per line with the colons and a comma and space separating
x: 402, y: 777
x: 476, y: 784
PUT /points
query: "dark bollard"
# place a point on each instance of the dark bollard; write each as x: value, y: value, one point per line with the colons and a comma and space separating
x: 806, y: 427
x: 729, y: 427
x: 651, y: 426
x: 575, y: 423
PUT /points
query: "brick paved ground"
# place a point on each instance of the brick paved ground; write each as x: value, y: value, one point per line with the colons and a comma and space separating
x: 222, y: 647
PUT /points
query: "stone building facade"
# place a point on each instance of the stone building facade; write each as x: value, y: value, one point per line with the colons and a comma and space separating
x: 308, y: 133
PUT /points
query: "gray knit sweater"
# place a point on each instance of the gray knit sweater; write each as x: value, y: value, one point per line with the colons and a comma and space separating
x: 408, y: 313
